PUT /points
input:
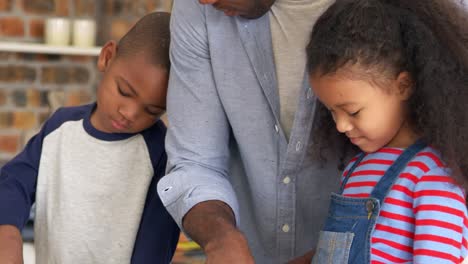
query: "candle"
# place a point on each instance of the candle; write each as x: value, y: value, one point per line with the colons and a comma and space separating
x: 57, y: 31
x: 84, y: 32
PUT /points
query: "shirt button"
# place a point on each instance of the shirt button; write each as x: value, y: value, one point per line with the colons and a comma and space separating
x: 286, y: 180
x: 276, y: 128
x: 309, y: 93
x: 298, y: 146
x: 285, y: 228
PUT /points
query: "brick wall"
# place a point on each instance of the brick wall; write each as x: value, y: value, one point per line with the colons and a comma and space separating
x: 32, y: 86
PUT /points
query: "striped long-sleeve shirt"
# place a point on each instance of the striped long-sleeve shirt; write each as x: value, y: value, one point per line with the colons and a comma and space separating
x: 423, y: 219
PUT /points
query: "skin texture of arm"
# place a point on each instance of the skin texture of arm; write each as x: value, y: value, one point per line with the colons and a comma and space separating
x: 212, y: 225
x: 11, y: 245
x: 305, y: 259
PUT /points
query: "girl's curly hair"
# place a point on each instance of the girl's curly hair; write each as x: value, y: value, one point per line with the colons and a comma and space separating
x: 428, y: 39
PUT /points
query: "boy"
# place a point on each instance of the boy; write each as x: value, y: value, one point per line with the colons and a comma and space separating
x: 92, y: 170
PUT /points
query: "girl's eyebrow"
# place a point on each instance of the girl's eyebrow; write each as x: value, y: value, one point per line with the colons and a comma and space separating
x: 345, y: 104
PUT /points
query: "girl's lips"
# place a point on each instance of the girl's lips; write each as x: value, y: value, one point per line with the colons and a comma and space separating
x: 355, y: 140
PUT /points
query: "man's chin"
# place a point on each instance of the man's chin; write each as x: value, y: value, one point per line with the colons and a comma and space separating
x: 260, y: 8
x: 253, y: 16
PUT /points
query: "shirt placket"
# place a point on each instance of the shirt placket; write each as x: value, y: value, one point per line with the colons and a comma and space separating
x: 291, y: 164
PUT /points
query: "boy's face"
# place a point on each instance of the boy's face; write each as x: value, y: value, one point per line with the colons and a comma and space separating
x: 371, y: 117
x: 132, y: 94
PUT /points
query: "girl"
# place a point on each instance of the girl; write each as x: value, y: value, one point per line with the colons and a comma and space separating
x: 393, y: 76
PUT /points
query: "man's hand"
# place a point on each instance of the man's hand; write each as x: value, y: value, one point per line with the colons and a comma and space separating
x: 212, y: 225
x: 11, y: 245
x: 306, y: 259
x: 246, y: 8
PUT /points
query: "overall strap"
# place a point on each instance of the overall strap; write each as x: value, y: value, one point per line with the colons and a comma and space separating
x: 383, y: 186
x: 351, y: 170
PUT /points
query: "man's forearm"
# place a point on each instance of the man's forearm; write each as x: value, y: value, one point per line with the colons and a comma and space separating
x: 212, y: 225
x: 305, y: 259
x: 11, y: 245
x: 209, y: 221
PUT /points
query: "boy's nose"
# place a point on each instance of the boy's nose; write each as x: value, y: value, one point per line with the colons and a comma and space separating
x: 129, y: 112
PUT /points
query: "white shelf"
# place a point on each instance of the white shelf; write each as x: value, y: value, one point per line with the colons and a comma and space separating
x: 47, y: 49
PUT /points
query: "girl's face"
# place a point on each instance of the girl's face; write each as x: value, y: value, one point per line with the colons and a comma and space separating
x: 372, y: 117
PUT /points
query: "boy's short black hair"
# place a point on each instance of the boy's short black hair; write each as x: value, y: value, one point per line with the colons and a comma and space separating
x: 149, y: 36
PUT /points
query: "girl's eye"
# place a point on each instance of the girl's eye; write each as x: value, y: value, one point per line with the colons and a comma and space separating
x: 122, y: 92
x: 355, y: 113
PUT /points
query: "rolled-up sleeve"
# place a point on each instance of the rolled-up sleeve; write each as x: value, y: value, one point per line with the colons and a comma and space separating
x: 197, y: 141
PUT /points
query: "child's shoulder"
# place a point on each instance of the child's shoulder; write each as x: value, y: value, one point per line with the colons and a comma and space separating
x: 156, y: 132
x: 158, y: 127
x: 428, y: 159
x: 72, y: 112
x: 428, y: 166
x: 154, y: 137
x: 65, y: 114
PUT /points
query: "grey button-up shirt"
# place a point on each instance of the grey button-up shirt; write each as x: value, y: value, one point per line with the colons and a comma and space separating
x: 225, y: 141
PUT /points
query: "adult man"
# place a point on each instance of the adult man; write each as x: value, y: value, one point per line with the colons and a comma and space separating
x: 239, y: 130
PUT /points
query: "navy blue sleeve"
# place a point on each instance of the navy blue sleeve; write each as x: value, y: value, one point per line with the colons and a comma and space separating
x: 155, y: 138
x: 18, y: 177
x: 158, y: 233
x: 18, y: 184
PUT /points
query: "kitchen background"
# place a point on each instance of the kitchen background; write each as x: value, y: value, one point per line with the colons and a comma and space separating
x: 35, y: 79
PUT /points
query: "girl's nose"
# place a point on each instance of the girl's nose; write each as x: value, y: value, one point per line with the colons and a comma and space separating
x: 343, y: 125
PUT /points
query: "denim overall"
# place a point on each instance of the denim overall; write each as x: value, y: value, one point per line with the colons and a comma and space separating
x: 346, y: 235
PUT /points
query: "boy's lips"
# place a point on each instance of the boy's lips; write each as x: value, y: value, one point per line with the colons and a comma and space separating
x: 119, y: 125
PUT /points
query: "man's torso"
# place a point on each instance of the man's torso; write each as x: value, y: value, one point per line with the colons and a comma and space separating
x: 283, y: 193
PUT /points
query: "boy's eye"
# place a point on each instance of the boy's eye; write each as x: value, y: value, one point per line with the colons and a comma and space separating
x: 153, y: 113
x: 121, y: 92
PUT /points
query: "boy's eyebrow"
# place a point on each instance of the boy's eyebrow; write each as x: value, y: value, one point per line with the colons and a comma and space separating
x: 136, y: 94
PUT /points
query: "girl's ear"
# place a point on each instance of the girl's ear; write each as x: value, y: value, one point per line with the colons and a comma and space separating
x: 405, y: 85
x: 108, y: 53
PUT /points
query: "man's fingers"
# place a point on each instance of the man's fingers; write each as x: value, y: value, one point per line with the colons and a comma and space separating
x: 207, y: 2
x: 231, y: 13
x: 228, y: 7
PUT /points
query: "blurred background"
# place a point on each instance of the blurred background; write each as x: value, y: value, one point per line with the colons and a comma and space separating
x: 36, y: 79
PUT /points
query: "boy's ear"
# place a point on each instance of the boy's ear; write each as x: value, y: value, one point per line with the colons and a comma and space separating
x: 405, y: 85
x: 108, y: 53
